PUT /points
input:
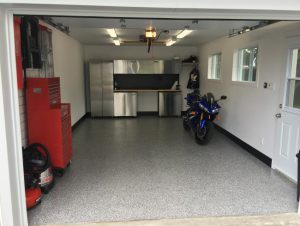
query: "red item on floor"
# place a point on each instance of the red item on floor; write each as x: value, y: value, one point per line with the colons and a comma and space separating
x: 49, y: 121
x: 33, y: 197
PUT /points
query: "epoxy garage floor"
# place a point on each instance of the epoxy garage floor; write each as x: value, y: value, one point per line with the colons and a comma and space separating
x: 150, y: 168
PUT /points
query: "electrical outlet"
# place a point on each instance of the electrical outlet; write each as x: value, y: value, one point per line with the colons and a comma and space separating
x: 270, y: 85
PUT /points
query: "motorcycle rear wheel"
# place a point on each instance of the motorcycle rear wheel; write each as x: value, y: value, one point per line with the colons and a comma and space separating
x: 204, y: 135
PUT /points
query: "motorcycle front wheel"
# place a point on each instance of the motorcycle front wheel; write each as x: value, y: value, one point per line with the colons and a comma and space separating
x: 204, y: 135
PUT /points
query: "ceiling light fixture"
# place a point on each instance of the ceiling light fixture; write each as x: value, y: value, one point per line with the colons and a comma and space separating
x: 150, y: 33
x: 184, y: 33
x: 117, y: 42
x: 170, y: 42
x: 112, y: 33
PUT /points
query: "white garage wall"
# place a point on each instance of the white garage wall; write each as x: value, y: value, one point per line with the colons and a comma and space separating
x: 249, y: 112
x: 140, y: 52
x: 68, y: 65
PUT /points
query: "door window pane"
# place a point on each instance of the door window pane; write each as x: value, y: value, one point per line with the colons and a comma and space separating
x: 293, y: 93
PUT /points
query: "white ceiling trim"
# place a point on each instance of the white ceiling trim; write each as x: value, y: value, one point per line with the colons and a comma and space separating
x: 275, y: 13
x: 289, y: 5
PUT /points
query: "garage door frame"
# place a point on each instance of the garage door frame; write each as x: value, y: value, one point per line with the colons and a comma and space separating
x: 12, y: 195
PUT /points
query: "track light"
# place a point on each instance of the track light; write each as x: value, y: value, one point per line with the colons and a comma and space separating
x: 170, y: 42
x: 117, y: 42
x: 112, y: 33
x: 245, y: 29
x: 184, y: 33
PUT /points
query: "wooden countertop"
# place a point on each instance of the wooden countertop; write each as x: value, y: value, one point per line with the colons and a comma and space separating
x: 147, y: 90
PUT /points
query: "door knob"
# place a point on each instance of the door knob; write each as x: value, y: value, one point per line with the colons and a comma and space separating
x: 278, y: 115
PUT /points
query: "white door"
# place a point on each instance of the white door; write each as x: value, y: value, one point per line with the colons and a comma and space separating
x: 288, y: 134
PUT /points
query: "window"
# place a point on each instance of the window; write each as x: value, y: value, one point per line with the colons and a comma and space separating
x: 214, y: 66
x: 293, y: 81
x: 245, y: 65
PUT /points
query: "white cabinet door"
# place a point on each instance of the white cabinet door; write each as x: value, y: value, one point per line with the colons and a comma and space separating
x: 96, y: 89
x: 119, y: 104
x: 131, y: 104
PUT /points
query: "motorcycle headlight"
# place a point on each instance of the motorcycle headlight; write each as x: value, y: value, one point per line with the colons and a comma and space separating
x: 215, y: 111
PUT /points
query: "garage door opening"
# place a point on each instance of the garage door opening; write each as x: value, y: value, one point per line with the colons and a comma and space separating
x: 125, y: 80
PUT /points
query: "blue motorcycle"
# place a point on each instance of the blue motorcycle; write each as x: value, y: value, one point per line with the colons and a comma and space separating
x: 199, y: 117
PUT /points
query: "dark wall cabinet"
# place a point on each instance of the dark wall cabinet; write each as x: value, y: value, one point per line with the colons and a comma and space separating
x: 30, y: 42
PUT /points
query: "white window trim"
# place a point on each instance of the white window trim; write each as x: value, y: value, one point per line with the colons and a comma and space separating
x: 291, y: 110
x: 214, y: 80
x: 235, y: 63
x: 245, y: 83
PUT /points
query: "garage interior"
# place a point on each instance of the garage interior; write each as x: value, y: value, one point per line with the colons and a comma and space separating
x: 131, y: 157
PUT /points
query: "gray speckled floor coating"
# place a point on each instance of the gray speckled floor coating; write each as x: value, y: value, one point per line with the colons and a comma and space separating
x: 150, y: 168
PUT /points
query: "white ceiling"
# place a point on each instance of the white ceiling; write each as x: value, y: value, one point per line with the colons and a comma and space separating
x: 92, y: 31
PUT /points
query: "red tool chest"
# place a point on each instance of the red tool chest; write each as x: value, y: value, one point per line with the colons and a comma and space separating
x: 49, y: 120
x: 18, y: 50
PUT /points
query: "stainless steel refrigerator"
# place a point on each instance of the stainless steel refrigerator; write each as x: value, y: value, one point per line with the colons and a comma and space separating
x: 101, y: 88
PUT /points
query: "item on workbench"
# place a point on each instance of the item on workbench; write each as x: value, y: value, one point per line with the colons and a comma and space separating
x: 194, y: 79
x: 191, y: 59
